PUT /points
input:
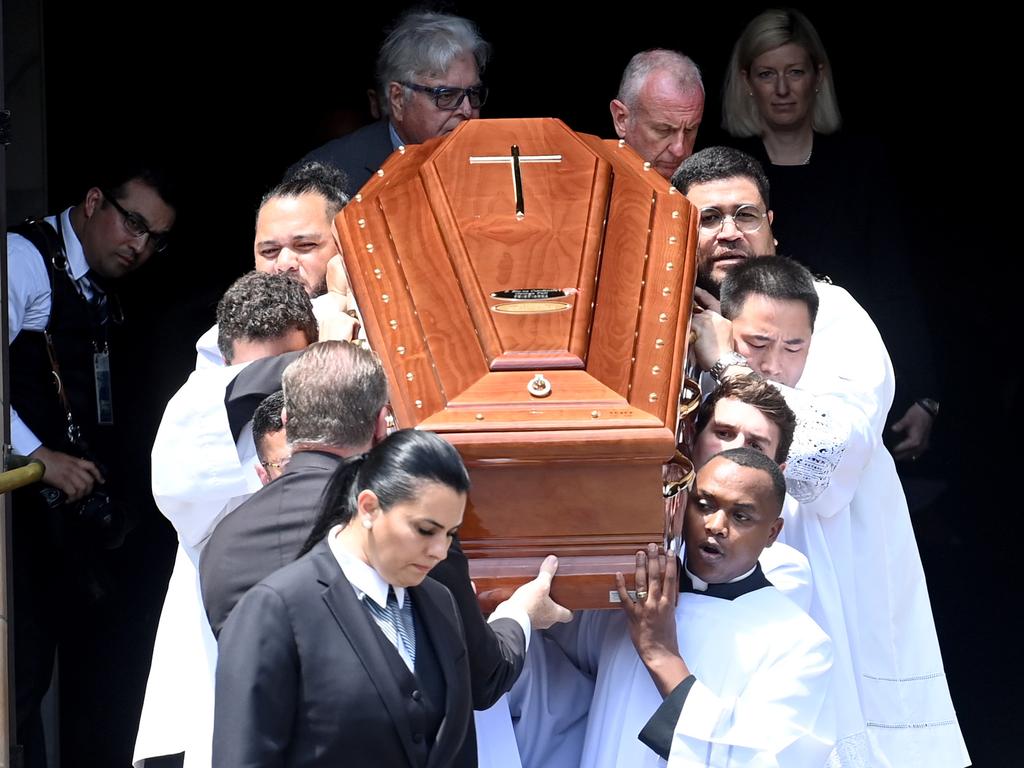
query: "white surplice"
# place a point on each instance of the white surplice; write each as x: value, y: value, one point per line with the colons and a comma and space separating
x: 762, y: 669
x: 199, y: 475
x: 550, y: 701
x: 850, y: 518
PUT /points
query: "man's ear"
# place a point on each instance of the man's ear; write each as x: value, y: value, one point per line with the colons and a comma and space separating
x: 620, y: 117
x: 396, y: 100
x: 380, y: 427
x: 92, y: 201
x: 261, y: 472
x: 284, y: 416
x: 775, y: 530
x: 782, y: 467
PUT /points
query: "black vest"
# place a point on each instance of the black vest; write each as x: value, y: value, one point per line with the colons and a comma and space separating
x: 76, y: 336
x: 425, y: 693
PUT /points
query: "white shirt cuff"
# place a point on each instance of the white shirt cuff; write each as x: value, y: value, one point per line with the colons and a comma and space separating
x: 22, y: 439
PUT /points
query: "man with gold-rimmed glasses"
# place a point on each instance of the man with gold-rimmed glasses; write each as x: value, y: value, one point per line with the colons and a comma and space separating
x: 850, y: 490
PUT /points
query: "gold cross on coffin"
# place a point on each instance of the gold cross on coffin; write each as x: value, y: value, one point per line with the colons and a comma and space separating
x: 514, y: 159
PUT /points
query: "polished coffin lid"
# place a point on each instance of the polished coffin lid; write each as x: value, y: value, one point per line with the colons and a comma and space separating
x: 528, y: 290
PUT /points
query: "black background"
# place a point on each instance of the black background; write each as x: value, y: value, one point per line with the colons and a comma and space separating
x: 234, y: 100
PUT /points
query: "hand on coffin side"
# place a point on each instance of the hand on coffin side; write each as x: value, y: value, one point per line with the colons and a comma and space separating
x: 336, y: 310
x: 652, y: 616
x: 534, y: 597
x: 706, y: 300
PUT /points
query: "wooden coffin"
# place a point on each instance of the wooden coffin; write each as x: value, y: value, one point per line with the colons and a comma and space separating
x: 528, y: 289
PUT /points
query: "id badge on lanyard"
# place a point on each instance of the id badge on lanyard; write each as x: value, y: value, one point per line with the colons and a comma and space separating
x: 104, y: 396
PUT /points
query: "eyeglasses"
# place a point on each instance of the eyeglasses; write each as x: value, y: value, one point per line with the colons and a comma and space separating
x: 449, y: 98
x: 746, y: 218
x: 279, y: 464
x: 137, y: 226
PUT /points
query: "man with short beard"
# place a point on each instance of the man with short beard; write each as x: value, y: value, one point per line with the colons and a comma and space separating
x: 731, y: 190
x: 295, y: 236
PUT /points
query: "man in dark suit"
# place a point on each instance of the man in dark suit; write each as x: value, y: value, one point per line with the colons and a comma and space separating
x: 428, y: 81
x: 335, y: 407
x: 335, y: 398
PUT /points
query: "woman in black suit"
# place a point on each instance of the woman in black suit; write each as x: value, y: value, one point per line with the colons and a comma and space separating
x: 347, y: 656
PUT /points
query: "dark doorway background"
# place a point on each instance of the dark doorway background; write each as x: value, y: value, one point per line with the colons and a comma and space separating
x: 233, y: 101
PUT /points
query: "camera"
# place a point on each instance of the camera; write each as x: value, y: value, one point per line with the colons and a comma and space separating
x: 98, y: 516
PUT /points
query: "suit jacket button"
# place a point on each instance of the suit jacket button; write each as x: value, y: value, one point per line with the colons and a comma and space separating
x: 417, y: 737
x: 416, y: 696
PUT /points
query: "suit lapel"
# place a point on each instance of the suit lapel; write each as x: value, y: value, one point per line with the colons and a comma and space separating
x: 341, y: 601
x: 434, y: 606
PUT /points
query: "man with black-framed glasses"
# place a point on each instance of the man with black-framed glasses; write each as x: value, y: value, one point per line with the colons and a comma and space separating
x: 429, y: 72
x: 63, y: 317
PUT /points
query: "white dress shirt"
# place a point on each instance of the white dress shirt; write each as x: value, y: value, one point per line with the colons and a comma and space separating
x: 368, y: 584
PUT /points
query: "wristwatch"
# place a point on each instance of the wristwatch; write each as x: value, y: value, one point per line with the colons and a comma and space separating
x: 932, y: 406
x: 729, y: 358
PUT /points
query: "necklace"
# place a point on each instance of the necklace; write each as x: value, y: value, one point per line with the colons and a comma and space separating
x: 805, y: 161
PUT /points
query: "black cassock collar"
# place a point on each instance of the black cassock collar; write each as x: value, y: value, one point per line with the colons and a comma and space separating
x: 729, y: 591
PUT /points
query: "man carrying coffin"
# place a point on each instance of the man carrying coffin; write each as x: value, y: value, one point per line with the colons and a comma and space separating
x: 710, y: 664
x: 850, y: 490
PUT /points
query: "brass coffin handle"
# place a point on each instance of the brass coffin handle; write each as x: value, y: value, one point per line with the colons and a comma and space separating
x: 678, y: 475
x: 689, y: 398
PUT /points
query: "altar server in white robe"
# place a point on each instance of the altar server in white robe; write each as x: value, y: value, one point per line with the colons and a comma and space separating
x: 551, y: 699
x: 852, y: 521
x: 715, y: 667
x: 774, y: 304
x: 200, y: 473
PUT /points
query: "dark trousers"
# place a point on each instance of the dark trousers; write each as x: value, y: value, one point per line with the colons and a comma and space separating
x: 97, y: 611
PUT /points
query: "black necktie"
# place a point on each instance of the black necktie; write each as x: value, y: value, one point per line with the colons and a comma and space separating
x: 97, y: 300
